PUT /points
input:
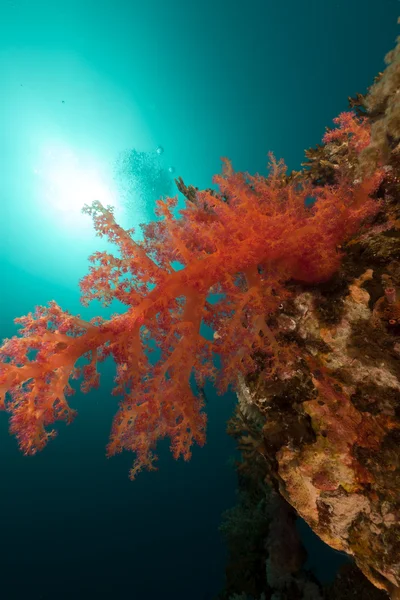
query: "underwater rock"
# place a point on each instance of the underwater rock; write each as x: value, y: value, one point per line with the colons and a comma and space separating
x: 332, y: 431
x: 331, y: 416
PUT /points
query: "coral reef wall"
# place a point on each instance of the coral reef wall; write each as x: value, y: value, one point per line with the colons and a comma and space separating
x: 331, y: 424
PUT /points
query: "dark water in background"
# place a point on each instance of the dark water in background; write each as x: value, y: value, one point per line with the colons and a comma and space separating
x: 80, y: 82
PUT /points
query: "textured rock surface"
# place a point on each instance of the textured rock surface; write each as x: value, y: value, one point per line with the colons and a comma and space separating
x: 332, y: 428
x: 326, y: 420
x: 332, y: 414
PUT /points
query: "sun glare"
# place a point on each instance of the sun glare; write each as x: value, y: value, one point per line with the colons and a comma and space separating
x: 69, y: 179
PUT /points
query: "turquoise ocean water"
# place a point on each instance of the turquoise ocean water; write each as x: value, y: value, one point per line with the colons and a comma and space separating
x: 80, y: 83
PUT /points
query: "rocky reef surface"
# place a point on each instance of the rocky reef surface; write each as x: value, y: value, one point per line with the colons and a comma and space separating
x: 324, y: 431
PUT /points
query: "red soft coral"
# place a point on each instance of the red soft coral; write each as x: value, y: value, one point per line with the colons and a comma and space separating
x: 243, y: 243
x: 351, y: 130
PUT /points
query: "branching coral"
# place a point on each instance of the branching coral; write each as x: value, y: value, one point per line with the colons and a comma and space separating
x: 243, y: 243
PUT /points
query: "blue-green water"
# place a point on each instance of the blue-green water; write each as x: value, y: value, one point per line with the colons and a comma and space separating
x: 81, y: 82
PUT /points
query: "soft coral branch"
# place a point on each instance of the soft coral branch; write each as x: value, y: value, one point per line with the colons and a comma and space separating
x: 38, y: 386
x: 244, y: 243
